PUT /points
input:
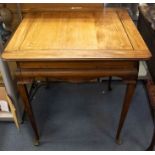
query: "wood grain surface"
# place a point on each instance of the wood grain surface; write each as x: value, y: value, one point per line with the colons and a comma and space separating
x: 103, y: 34
x: 40, y: 7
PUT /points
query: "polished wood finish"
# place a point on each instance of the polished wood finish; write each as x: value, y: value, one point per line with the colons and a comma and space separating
x: 77, y: 46
x: 78, y: 64
x: 42, y: 7
x: 127, y: 100
x: 76, y: 35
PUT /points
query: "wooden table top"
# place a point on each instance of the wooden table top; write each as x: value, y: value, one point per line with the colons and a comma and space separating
x: 104, y: 34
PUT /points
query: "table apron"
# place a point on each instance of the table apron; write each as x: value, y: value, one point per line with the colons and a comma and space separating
x: 29, y: 71
x: 98, y: 64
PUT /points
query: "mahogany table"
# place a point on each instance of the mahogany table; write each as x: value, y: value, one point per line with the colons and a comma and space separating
x: 75, y: 46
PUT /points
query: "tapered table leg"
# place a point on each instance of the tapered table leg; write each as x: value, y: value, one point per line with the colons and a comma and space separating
x: 127, y: 100
x: 24, y: 95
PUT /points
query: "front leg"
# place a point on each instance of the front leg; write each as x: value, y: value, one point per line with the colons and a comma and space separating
x: 127, y: 101
x: 24, y: 95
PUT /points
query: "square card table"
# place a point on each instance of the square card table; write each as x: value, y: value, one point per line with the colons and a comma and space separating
x: 76, y: 45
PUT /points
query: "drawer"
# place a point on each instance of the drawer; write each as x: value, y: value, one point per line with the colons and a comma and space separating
x: 78, y: 65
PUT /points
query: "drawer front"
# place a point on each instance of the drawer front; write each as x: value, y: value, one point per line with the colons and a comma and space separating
x: 78, y: 65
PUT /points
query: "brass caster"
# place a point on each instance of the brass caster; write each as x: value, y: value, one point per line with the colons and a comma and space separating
x: 36, y: 142
x: 118, y: 141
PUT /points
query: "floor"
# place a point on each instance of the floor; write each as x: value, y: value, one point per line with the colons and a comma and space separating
x: 82, y: 117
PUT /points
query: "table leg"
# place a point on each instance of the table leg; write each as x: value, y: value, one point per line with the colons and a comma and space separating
x: 127, y: 100
x: 24, y: 95
x: 150, y: 148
